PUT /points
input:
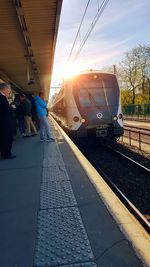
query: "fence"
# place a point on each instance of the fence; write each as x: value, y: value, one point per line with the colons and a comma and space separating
x: 137, y: 138
x: 136, y: 110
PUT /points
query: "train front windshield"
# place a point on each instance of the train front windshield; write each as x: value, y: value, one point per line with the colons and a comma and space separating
x: 100, y: 91
x: 88, y: 96
x: 96, y: 93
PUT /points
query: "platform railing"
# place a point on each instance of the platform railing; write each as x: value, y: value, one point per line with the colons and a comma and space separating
x: 136, y: 136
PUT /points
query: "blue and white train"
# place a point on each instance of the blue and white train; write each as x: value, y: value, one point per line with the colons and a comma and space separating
x: 89, y: 104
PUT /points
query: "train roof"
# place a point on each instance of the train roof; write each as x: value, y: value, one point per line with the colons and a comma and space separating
x: 90, y: 71
x: 87, y: 72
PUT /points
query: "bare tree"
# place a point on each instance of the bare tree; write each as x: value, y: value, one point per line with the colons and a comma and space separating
x: 134, y: 70
x: 130, y: 73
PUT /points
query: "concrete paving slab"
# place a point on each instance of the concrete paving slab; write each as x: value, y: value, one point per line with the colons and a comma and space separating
x: 19, y: 202
x: 118, y: 255
x: 17, y: 235
x: 19, y: 188
x: 61, y: 238
x: 54, y: 173
x: 57, y: 194
x: 105, y: 236
x: 86, y: 264
x: 29, y: 152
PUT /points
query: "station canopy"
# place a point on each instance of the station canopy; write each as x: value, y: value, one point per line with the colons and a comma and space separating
x: 28, y: 31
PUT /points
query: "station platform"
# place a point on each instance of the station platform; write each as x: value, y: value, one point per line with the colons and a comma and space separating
x: 52, y: 215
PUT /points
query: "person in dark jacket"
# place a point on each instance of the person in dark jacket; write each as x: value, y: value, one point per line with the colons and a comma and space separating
x: 26, y: 103
x: 20, y: 117
x: 13, y: 108
x: 6, y: 123
x: 33, y: 111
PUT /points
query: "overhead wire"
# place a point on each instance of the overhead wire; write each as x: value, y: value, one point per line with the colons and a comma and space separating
x: 97, y: 16
x: 79, y: 29
x: 92, y: 25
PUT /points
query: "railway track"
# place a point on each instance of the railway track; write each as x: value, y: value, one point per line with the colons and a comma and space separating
x: 124, y: 199
x: 137, y: 119
x: 138, y: 128
x: 127, y: 178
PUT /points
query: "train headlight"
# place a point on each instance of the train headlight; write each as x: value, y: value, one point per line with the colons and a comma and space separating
x: 115, y: 118
x: 120, y: 116
x: 82, y: 120
x: 76, y: 118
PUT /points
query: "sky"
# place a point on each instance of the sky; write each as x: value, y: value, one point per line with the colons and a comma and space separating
x: 123, y: 25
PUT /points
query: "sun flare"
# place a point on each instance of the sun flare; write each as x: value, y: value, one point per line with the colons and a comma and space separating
x: 71, y: 70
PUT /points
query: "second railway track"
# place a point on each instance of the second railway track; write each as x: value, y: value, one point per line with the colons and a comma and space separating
x: 132, y: 179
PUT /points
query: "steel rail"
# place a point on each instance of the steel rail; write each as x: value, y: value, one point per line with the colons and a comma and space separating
x: 135, y: 127
x: 137, y: 214
x: 135, y: 162
x: 138, y: 119
x: 129, y: 205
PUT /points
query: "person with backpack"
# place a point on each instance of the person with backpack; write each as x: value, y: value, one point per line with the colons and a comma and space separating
x: 26, y: 104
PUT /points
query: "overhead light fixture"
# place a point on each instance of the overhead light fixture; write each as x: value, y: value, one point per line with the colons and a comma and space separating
x: 30, y: 74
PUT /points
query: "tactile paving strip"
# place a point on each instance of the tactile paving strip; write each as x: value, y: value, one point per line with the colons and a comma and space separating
x: 88, y: 264
x: 51, y: 149
x: 52, y: 155
x: 54, y: 173
x: 61, y: 238
x: 57, y: 194
x: 52, y: 161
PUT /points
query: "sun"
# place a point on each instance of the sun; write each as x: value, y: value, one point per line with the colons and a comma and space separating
x: 71, y: 69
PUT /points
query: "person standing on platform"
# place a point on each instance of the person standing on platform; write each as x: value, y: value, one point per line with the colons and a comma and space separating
x: 33, y: 108
x: 13, y: 108
x: 20, y: 117
x: 26, y: 103
x: 41, y: 110
x: 6, y: 123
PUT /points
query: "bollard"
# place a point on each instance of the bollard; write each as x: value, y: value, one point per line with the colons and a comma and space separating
x: 139, y: 141
x: 130, y: 137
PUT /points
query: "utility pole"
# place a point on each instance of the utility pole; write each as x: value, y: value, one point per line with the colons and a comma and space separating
x: 114, y: 67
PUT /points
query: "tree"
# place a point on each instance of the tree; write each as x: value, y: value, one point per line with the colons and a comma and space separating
x: 134, y: 71
x: 126, y: 97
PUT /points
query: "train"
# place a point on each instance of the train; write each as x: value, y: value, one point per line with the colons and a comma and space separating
x: 89, y: 104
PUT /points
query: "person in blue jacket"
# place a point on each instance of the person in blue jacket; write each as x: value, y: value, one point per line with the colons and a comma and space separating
x: 40, y: 104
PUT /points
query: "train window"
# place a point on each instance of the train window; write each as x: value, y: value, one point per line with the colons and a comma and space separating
x: 109, y: 83
x: 92, y: 96
x: 98, y: 96
x: 111, y: 95
x: 84, y: 98
x: 96, y: 92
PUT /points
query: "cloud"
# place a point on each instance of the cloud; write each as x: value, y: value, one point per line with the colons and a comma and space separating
x: 105, y: 58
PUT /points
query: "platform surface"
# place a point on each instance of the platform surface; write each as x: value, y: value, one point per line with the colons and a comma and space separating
x: 51, y: 215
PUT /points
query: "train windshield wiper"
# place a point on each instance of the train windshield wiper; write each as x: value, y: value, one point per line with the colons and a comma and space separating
x: 92, y: 99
